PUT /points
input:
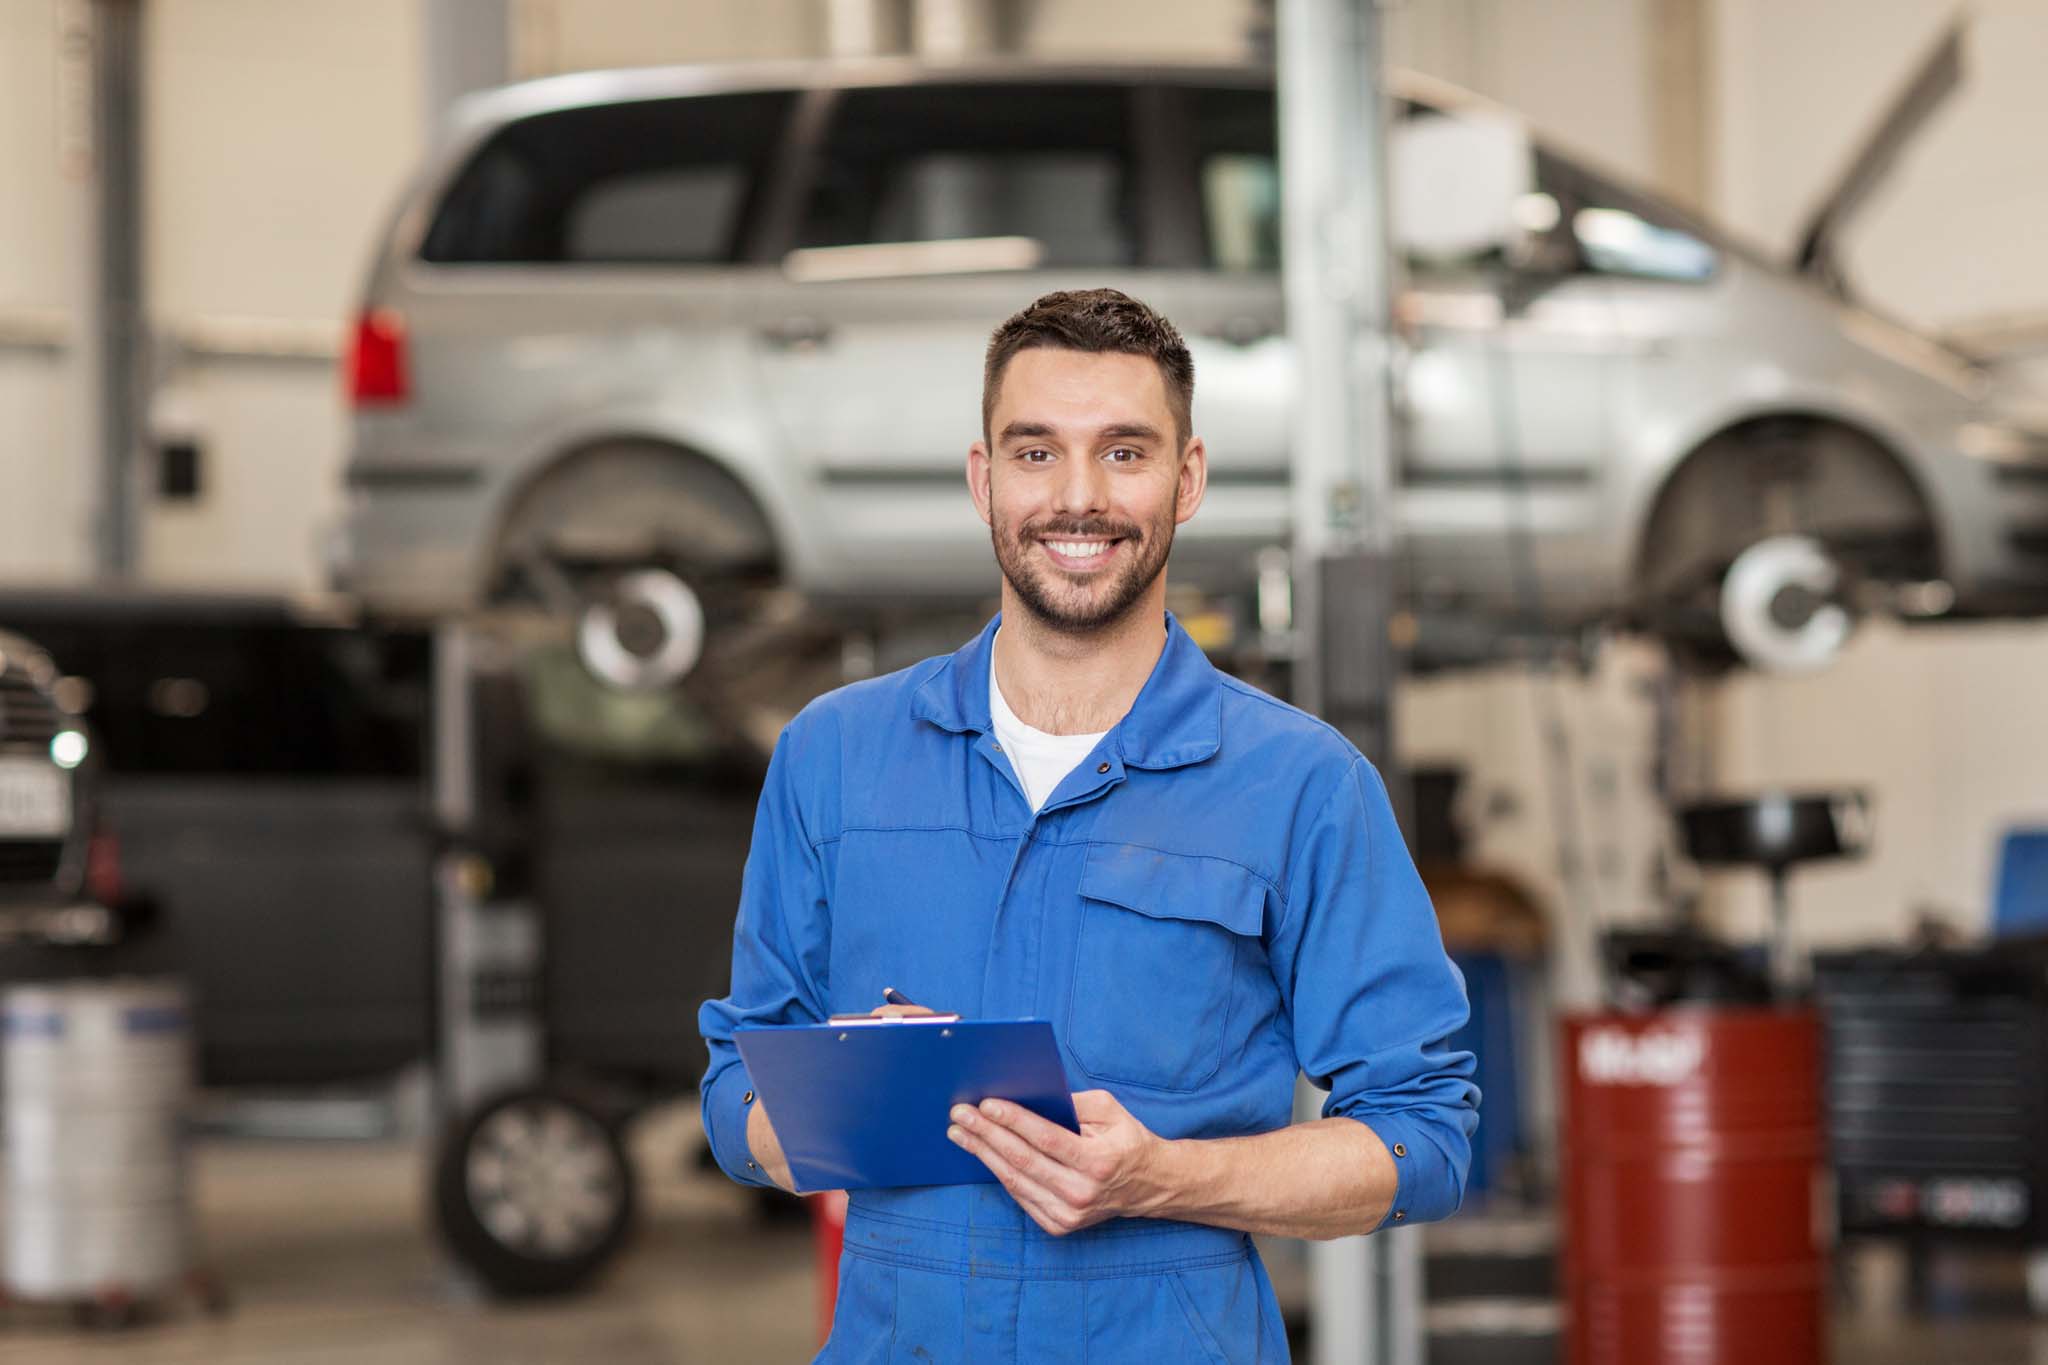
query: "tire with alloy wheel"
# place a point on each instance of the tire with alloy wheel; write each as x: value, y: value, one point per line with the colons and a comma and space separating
x: 533, y: 1192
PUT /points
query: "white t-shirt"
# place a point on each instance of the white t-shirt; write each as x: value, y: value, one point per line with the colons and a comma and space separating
x: 1041, y: 759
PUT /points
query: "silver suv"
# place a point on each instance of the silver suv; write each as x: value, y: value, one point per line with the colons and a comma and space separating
x: 644, y: 343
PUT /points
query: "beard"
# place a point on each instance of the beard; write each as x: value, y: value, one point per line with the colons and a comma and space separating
x: 1081, y: 606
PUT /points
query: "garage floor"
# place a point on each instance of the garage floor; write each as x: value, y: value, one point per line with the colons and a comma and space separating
x: 321, y: 1247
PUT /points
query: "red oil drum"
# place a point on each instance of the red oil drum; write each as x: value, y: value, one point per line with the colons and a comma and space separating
x: 828, y: 1239
x: 1692, y: 1155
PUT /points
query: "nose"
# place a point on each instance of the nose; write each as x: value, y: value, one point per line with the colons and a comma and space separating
x: 1082, y: 488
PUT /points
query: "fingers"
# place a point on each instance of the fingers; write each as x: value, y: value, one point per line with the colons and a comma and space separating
x: 1048, y: 1137
x: 899, y: 1011
x: 1044, y: 1207
x: 1056, y: 1177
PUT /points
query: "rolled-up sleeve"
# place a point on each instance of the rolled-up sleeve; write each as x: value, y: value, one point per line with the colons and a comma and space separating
x: 1373, y: 997
x: 780, y: 952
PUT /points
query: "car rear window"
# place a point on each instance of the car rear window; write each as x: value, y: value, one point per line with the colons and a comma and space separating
x: 654, y: 182
x: 927, y: 163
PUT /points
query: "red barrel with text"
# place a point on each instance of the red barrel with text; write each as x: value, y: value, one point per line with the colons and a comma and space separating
x: 1691, y: 1156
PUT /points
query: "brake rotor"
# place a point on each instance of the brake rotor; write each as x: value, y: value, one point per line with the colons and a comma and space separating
x: 1781, y: 605
x: 647, y: 633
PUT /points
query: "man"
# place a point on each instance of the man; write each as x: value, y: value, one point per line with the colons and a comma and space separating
x: 1077, y: 818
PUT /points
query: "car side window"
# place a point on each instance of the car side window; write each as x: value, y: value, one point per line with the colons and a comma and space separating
x: 929, y: 163
x: 1616, y: 231
x: 1237, y: 172
x: 648, y: 182
x: 1624, y: 241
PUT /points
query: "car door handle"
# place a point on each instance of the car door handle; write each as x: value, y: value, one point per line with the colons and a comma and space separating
x: 797, y: 333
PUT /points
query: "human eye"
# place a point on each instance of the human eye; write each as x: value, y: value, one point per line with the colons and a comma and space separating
x: 1035, y: 455
x: 1123, y: 455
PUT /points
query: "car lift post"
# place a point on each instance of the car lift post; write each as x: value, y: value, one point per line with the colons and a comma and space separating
x: 1365, y: 1292
x: 487, y: 945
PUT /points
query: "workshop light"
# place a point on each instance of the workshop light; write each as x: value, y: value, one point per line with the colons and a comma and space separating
x: 67, y: 748
x: 376, y: 359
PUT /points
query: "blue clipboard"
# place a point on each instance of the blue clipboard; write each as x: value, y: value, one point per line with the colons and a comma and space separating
x: 864, y: 1106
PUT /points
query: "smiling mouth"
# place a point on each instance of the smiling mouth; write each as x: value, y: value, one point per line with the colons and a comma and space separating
x: 1080, y: 554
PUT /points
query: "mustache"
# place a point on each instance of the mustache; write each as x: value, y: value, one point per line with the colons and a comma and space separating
x: 1053, y: 528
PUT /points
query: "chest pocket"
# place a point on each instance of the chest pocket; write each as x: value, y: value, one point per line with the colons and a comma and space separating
x: 1163, y: 942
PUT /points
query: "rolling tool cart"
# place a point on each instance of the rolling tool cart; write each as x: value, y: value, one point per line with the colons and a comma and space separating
x: 585, y: 912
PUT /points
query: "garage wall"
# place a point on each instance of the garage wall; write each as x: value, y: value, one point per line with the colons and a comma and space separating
x: 276, y: 139
x: 1560, y: 790
x: 1578, y: 70
x: 1955, y: 233
x: 1944, y: 726
x: 46, y: 511
x: 1200, y: 30
x: 550, y: 36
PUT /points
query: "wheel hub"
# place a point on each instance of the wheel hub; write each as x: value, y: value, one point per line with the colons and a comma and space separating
x: 647, y: 633
x: 1781, y: 608
x: 540, y: 1178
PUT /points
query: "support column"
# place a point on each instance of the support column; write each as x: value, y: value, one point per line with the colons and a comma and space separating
x: 1365, y: 1292
x: 99, y: 64
x: 468, y: 46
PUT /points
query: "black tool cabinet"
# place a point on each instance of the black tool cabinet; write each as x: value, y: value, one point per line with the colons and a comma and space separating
x: 1937, y: 1090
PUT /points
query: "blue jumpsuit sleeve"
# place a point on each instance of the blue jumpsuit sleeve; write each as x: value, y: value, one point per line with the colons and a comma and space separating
x: 780, y: 951
x: 1374, y: 998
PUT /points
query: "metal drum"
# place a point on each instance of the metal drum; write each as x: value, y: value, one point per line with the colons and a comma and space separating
x: 1692, y: 1151
x: 96, y: 1079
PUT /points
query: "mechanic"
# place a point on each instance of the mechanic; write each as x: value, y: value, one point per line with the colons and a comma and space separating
x: 1076, y: 817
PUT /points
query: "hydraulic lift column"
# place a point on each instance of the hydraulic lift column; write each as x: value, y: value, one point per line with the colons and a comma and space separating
x: 487, y: 943
x: 1365, y: 1292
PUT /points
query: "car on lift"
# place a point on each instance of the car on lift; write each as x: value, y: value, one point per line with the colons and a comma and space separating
x: 667, y: 348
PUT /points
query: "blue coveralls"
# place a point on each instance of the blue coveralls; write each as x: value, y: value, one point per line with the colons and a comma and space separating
x: 1216, y: 898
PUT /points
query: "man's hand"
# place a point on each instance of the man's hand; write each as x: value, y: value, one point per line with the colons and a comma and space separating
x: 1067, y: 1181
x: 767, y: 1149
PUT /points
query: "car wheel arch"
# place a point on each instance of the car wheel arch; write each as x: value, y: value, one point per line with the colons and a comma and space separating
x: 656, y: 474
x: 1838, y: 444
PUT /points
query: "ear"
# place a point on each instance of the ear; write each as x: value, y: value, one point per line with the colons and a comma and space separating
x: 977, y: 479
x: 1194, y: 480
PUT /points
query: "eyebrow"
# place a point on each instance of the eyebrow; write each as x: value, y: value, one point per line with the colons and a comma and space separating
x: 1115, y: 431
x: 1130, y: 431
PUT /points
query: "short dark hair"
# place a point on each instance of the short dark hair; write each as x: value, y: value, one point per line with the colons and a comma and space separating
x: 1098, y: 321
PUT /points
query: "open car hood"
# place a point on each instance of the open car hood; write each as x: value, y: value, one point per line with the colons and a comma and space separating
x: 1938, y: 77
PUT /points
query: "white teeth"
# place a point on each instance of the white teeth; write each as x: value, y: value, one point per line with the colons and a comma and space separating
x: 1076, y: 549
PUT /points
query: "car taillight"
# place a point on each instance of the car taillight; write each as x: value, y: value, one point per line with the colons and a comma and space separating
x: 376, y: 360
x: 103, y: 868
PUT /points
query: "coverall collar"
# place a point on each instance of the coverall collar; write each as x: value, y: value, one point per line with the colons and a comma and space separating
x: 1177, y: 718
